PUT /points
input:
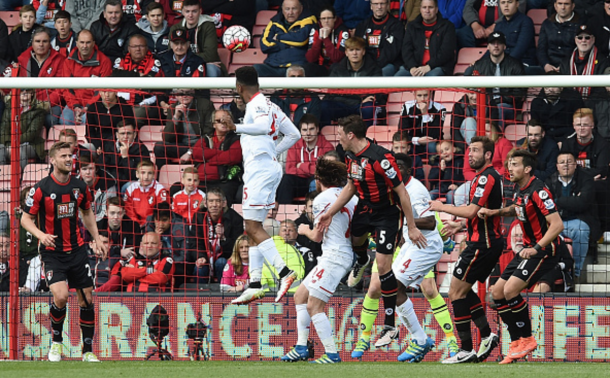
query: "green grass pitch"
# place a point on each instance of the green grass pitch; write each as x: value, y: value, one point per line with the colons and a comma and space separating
x: 230, y: 369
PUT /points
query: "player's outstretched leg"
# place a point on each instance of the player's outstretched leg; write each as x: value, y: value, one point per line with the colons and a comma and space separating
x: 300, y: 351
x: 255, y: 290
x: 324, y: 330
x: 420, y: 344
x: 287, y: 277
x: 362, y: 262
x: 370, y: 307
x: 440, y: 311
x: 389, y: 290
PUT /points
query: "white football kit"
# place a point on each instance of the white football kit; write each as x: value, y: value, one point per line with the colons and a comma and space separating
x: 337, y: 255
x: 263, y: 122
x: 412, y: 263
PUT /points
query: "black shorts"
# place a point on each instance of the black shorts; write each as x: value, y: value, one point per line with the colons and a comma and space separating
x: 530, y: 270
x: 73, y: 267
x: 385, y: 223
x: 477, y: 261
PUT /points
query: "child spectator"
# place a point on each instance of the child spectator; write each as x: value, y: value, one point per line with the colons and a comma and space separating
x: 153, y: 272
x: 447, y: 172
x: 21, y: 36
x: 122, y: 157
x: 124, y: 233
x: 160, y: 222
x: 187, y: 202
x: 235, y: 277
x: 142, y: 196
x: 46, y: 10
x: 100, y: 182
x: 401, y: 144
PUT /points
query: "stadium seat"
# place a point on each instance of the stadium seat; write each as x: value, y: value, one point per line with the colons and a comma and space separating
x: 381, y: 134
x: 514, y: 132
x: 256, y: 41
x: 5, y: 203
x: 149, y: 135
x: 246, y: 58
x: 5, y: 178
x: 289, y: 212
x: 10, y: 18
x: 34, y: 173
x: 53, y: 135
x: 237, y: 208
x: 171, y: 173
x: 466, y: 57
x: 330, y: 133
x: 225, y: 56
x: 262, y: 20
x: 538, y: 16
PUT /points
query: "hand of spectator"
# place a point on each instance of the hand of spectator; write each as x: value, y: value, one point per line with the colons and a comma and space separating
x: 128, y: 253
x: 527, y: 253
x: 415, y: 71
x: 478, y: 30
x: 368, y: 99
x: 24, y: 290
x: 549, y: 68
x: 453, y: 187
x: 442, y: 165
x: 180, y: 108
x: 99, y: 151
x: 165, y: 107
x: 424, y: 69
x: 217, y: 64
x: 489, y: 30
x: 123, y: 150
x: 423, y: 107
x: 451, y: 228
x: 48, y: 240
x: 425, y: 140
x: 186, y: 158
x: 201, y: 262
x: 324, y: 33
x: 220, y: 230
x: 599, y: 178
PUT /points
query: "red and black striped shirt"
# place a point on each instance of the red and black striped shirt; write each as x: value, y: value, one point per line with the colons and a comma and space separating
x: 533, y: 203
x: 485, y: 191
x: 56, y: 205
x: 375, y: 173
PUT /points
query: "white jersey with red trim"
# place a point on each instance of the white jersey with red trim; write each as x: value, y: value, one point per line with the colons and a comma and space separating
x: 337, y: 237
x: 420, y: 197
x: 264, y: 121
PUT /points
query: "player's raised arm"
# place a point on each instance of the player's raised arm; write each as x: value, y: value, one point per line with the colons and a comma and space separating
x: 405, y: 202
x: 469, y: 211
x: 345, y: 196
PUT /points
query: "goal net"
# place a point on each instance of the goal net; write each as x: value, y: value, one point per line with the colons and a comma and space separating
x: 156, y: 160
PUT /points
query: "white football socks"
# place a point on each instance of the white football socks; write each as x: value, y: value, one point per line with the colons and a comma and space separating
x: 267, y: 248
x: 303, y: 323
x: 256, y: 261
x: 325, y: 332
x: 409, y: 319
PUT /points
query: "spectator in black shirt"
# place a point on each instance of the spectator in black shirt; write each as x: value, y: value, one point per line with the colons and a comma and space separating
x: 554, y: 108
x: 544, y: 148
x: 104, y: 115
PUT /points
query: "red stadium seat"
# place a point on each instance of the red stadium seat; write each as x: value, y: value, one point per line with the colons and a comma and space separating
x: 171, y: 173
x: 225, y: 56
x: 538, y: 16
x: 262, y: 20
x: 514, y: 132
x: 247, y: 58
x: 53, y: 135
x: 10, y: 18
x: 466, y: 57
x: 382, y: 134
x: 34, y: 173
x: 330, y: 133
x: 5, y: 178
x: 149, y: 135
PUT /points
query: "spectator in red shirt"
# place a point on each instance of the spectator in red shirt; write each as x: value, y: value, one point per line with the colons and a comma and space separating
x: 235, y: 275
x: 326, y: 42
x: 219, y: 158
x: 502, y: 147
x: 142, y: 196
x: 151, y: 274
x: 187, y: 202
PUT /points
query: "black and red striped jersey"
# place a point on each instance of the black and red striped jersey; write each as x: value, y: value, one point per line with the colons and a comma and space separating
x: 56, y: 205
x: 485, y: 191
x: 532, y: 204
x: 375, y: 173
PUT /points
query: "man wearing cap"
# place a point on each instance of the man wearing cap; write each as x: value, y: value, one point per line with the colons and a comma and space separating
x: 498, y: 63
x: 557, y: 33
x: 519, y: 31
x: 585, y: 59
x: 181, y: 61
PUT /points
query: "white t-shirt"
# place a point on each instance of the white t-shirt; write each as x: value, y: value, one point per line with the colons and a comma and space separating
x: 337, y: 237
x: 263, y: 122
x: 419, y: 203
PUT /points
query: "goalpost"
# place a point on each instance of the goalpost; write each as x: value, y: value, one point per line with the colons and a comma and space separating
x: 121, y: 325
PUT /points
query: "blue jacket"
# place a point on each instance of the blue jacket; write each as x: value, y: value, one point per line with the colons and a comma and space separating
x: 520, y: 42
x: 452, y: 10
x: 353, y: 12
x: 287, y: 44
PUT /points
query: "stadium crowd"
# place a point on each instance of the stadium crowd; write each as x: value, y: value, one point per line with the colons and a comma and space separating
x: 198, y: 230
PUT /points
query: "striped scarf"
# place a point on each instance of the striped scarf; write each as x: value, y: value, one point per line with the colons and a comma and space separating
x: 588, y: 70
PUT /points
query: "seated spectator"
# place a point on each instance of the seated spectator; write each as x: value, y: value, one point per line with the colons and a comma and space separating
x: 222, y: 226
x: 383, y: 34
x: 31, y: 122
x: 151, y: 274
x: 84, y: 61
x: 5, y: 269
x: 21, y: 36
x: 235, y: 275
x: 142, y: 63
x: 142, y: 196
x: 401, y: 144
x: 557, y: 33
x: 355, y: 64
x: 574, y: 193
x: 507, y: 100
x: 544, y: 148
x: 285, y: 39
x: 237, y: 108
x: 155, y: 29
x: 554, y: 107
x: 122, y: 157
x: 65, y: 40
x: 187, y: 202
x: 502, y: 147
x: 353, y: 12
x: 480, y: 18
x: 105, y: 271
x: 5, y: 51
x: 229, y: 13
x: 34, y: 281
x: 46, y: 11
x: 326, y: 42
x: 101, y: 183
x: 104, y: 115
x: 599, y: 22
x: 464, y: 120
x: 297, y: 102
x: 519, y: 31
x: 113, y: 30
x: 302, y: 159
x: 452, y: 10
x: 285, y: 243
x: 218, y: 158
x: 311, y: 250
x: 423, y: 120
x: 446, y: 173
x: 201, y: 34
x: 173, y: 11
x: 585, y: 60
x: 188, y: 121
x: 429, y: 45
x: 122, y: 231
x: 84, y: 13
x: 408, y: 12
x: 40, y: 60
x: 160, y: 222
